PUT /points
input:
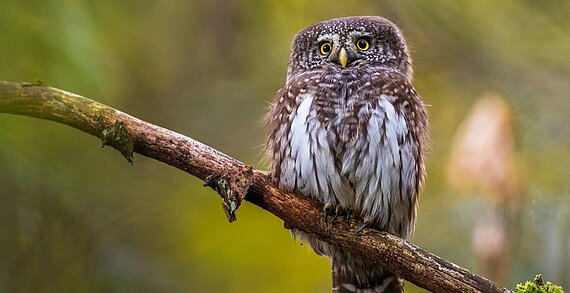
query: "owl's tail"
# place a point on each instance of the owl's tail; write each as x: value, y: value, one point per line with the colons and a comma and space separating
x: 346, y: 282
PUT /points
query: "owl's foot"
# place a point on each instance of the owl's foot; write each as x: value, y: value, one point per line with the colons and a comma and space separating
x: 342, y: 212
x: 338, y: 212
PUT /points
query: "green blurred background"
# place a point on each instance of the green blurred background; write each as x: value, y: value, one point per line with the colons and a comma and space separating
x: 77, y: 218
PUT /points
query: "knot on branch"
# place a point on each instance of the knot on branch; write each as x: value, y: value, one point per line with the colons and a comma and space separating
x: 232, y: 188
x: 118, y: 137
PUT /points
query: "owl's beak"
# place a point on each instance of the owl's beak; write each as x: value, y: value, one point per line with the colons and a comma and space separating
x: 342, y: 57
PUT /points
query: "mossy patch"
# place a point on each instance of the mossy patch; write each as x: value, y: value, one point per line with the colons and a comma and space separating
x: 538, y: 286
x: 118, y: 137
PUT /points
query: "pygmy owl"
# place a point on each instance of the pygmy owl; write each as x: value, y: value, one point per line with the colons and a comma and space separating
x: 349, y: 130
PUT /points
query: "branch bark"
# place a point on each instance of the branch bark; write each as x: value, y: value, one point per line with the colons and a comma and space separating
x: 235, y: 180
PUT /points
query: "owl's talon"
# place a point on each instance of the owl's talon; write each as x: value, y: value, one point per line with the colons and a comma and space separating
x: 349, y: 216
x: 326, y: 211
x: 365, y: 225
x: 337, y: 212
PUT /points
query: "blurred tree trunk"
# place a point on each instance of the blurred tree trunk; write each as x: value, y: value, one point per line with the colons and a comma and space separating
x: 484, y: 162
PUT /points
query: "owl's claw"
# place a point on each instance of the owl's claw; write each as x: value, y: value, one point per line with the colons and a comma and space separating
x: 349, y: 216
x: 326, y: 212
x: 337, y: 212
x: 365, y: 225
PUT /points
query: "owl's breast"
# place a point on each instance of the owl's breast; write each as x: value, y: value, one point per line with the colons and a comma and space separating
x: 344, y: 109
x: 341, y: 140
x: 369, y: 140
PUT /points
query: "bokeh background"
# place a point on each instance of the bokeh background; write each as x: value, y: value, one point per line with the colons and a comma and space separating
x: 78, y: 218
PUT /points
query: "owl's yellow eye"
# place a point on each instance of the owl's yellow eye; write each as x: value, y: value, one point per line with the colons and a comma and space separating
x: 363, y: 44
x: 326, y: 48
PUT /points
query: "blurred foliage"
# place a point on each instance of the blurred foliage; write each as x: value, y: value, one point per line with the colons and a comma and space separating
x: 75, y: 218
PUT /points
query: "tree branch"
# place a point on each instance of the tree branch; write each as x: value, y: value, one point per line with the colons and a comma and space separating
x: 235, y: 180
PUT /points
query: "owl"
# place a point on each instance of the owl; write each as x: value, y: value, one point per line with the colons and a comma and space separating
x: 348, y: 129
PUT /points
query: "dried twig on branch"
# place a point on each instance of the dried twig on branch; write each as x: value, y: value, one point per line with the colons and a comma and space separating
x: 235, y: 181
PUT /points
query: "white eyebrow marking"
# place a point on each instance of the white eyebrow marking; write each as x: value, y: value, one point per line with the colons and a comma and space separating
x: 353, y: 34
x: 327, y: 37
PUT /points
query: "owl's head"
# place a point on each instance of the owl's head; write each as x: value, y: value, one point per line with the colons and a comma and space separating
x: 349, y: 42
